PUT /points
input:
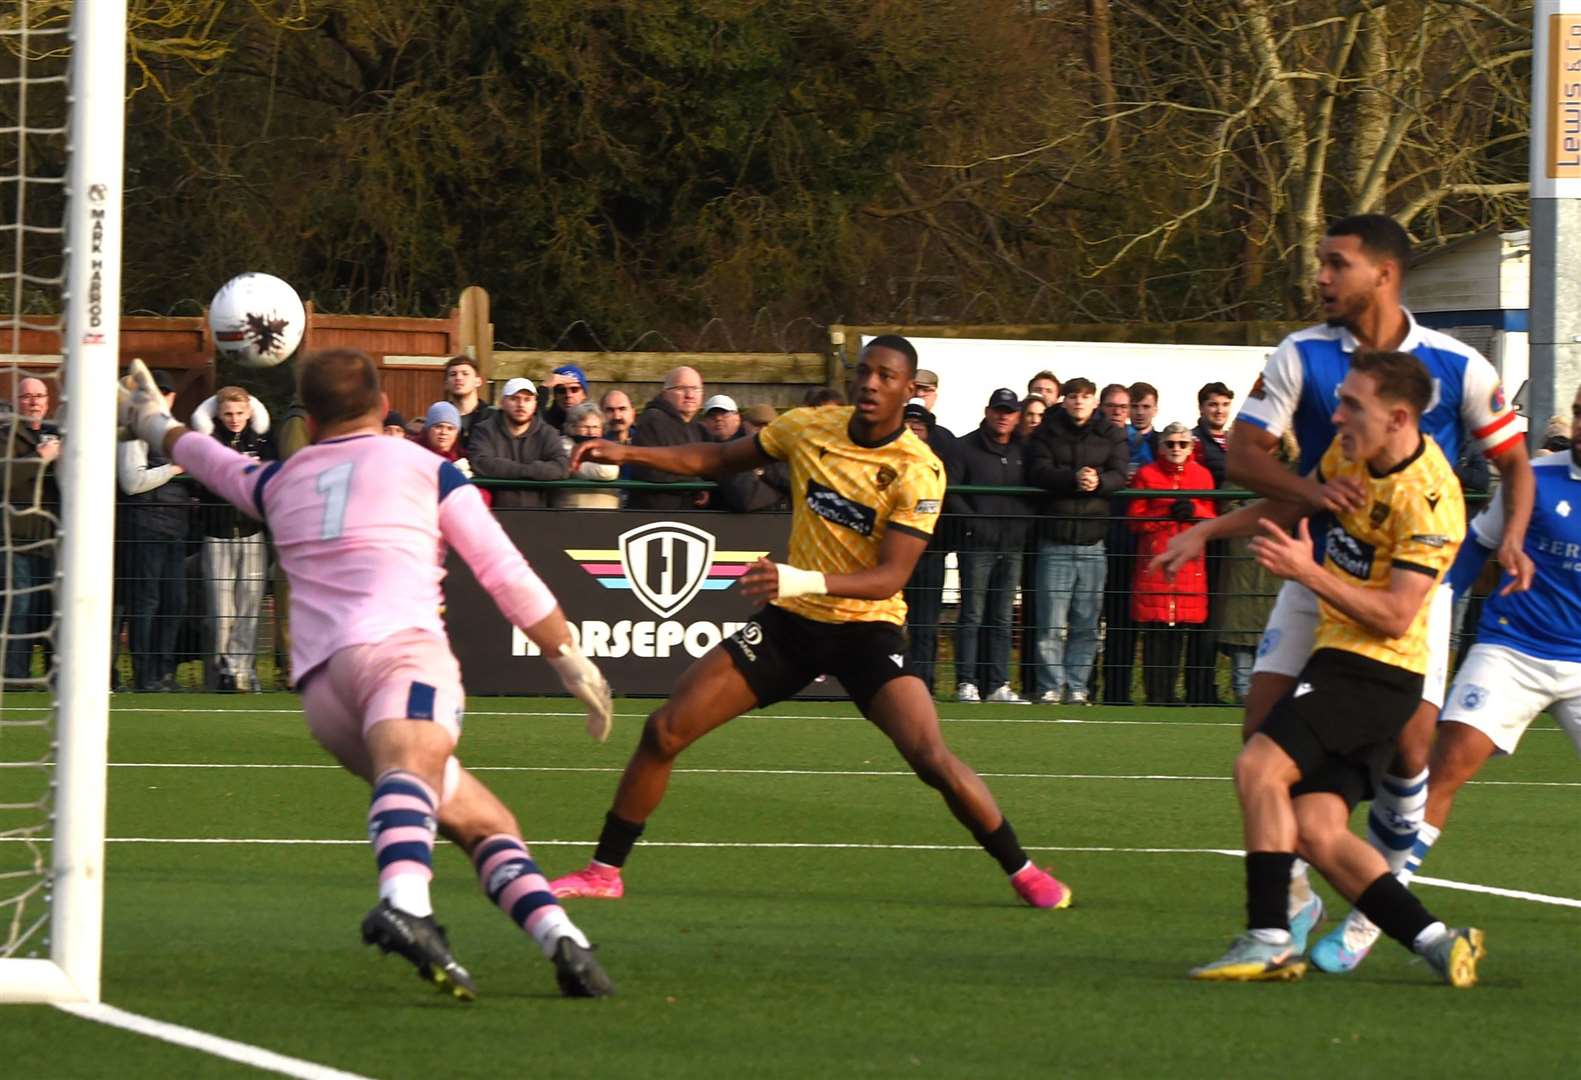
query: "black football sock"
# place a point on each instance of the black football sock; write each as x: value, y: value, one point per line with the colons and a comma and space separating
x: 616, y: 840
x: 1268, y: 889
x: 1003, y: 846
x: 1395, y: 909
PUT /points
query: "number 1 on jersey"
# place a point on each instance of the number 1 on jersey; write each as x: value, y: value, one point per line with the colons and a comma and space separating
x: 335, y: 485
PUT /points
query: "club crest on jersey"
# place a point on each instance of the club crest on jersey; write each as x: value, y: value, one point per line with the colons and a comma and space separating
x: 667, y: 563
x: 886, y: 476
x: 1380, y: 514
x: 1259, y: 389
x: 836, y: 508
x: 1349, y: 554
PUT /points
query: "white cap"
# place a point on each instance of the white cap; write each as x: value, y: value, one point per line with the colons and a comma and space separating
x: 720, y: 401
x: 517, y: 385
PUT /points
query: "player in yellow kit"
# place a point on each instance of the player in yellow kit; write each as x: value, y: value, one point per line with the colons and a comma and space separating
x: 1321, y: 747
x: 865, y: 496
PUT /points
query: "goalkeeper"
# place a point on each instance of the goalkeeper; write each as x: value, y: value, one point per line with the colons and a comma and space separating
x: 865, y: 497
x: 358, y: 523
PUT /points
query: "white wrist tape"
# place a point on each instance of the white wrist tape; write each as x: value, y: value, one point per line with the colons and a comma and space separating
x: 796, y: 582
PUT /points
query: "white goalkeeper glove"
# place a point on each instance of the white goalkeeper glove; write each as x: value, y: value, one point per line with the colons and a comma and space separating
x: 581, y: 677
x: 142, y: 412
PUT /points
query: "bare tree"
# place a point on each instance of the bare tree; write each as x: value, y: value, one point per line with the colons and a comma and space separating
x: 1244, y: 125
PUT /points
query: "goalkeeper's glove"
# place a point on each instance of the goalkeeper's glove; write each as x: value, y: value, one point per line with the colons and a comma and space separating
x: 581, y: 677
x: 142, y: 412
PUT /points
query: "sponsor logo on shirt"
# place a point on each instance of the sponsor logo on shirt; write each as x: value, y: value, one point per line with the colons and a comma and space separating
x: 927, y: 506
x: 839, y: 510
x: 1259, y: 390
x: 1430, y: 539
x: 1497, y: 400
x: 1349, y: 554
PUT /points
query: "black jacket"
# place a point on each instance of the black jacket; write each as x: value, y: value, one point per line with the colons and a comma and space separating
x: 989, y: 522
x: 535, y: 454
x: 28, y: 483
x: 1056, y: 451
x: 765, y: 488
x: 661, y: 425
x: 161, y: 513
x: 220, y: 519
x: 470, y: 421
x: 1210, y: 453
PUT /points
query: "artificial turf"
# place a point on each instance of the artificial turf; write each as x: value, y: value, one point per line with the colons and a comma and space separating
x: 749, y: 943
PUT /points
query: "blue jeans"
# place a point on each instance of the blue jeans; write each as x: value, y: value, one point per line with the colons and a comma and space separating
x: 982, y: 633
x: 30, y: 578
x: 1070, y: 590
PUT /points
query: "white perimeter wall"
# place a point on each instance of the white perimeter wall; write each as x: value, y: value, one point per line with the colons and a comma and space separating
x: 970, y: 369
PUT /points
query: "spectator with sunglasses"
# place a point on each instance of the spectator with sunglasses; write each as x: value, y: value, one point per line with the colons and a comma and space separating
x: 567, y: 387
x: 1163, y: 606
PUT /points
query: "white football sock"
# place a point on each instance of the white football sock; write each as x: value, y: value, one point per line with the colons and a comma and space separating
x: 1397, y: 811
x: 553, y: 925
x: 409, y: 892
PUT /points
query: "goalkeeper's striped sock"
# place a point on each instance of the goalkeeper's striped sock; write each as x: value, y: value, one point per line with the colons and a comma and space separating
x: 401, y: 827
x: 1396, y: 815
x: 513, y: 881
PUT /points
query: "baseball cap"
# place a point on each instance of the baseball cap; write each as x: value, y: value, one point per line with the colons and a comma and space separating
x: 517, y: 385
x: 924, y: 377
x: 763, y: 415
x: 1004, y: 398
x: 720, y: 401
x: 917, y: 409
x: 394, y: 419
x: 574, y: 372
x: 442, y: 412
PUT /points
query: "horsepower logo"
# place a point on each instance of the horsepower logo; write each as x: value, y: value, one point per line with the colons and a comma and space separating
x: 664, y: 565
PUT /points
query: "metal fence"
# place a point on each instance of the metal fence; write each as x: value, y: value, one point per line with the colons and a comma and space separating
x: 1027, y: 618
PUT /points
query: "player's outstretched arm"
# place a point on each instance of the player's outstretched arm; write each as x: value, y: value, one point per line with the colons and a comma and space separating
x: 1250, y: 463
x: 1246, y: 520
x: 691, y: 459
x: 897, y: 558
x: 521, y: 595
x: 144, y: 415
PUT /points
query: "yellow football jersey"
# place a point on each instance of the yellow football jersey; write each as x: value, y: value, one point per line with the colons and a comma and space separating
x: 845, y: 497
x: 1414, y: 520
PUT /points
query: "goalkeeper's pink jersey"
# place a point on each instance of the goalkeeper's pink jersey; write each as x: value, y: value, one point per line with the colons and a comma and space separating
x: 359, y: 524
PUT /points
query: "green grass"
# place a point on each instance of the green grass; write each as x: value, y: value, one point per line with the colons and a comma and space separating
x: 792, y: 961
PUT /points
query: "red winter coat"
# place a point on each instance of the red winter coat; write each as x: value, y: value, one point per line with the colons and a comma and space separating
x: 1154, y: 597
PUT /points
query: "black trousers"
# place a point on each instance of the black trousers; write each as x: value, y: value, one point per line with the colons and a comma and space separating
x: 156, y: 604
x: 924, y: 607
x: 1119, y: 639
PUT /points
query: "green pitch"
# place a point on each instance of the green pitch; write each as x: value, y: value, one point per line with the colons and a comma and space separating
x: 801, y: 907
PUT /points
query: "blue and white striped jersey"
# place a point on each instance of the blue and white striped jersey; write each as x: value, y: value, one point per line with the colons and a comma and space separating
x: 1544, y: 621
x: 1298, y: 391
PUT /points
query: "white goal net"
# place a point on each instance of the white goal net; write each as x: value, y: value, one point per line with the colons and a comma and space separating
x: 62, y: 86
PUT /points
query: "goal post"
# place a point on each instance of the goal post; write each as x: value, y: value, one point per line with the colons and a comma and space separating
x: 89, y: 346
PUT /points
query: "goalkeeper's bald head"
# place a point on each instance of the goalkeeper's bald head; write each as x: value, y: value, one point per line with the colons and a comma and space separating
x: 339, y: 385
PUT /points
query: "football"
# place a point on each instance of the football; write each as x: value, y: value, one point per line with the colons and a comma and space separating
x: 257, y: 319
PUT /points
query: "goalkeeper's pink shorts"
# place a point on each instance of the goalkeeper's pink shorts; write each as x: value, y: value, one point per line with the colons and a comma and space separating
x: 412, y: 675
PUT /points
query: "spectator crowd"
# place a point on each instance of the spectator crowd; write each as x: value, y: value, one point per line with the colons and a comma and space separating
x: 1047, y: 550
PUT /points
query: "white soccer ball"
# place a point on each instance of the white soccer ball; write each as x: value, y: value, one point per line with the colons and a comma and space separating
x: 257, y: 319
